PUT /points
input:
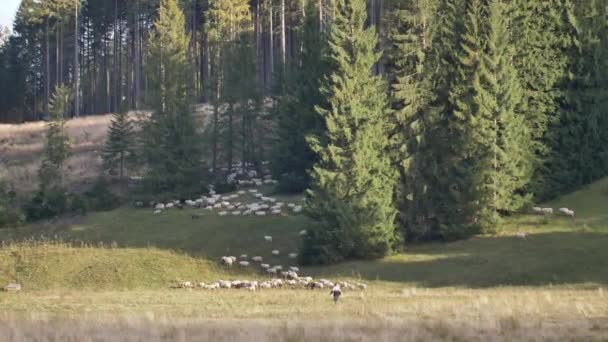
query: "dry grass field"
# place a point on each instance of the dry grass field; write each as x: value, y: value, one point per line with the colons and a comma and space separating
x: 21, y: 147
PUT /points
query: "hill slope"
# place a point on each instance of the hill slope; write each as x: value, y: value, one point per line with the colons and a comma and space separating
x: 556, y: 251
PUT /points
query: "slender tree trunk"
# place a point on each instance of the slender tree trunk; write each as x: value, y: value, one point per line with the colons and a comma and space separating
x: 283, y: 34
x: 76, y: 64
x: 270, y: 43
x: 47, y: 88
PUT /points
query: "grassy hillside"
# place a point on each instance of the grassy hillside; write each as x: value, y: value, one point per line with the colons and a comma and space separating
x: 558, y: 251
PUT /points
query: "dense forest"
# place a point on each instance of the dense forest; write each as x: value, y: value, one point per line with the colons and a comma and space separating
x: 405, y: 120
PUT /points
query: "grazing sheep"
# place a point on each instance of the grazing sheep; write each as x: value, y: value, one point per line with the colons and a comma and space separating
x: 236, y: 213
x: 159, y: 206
x: 566, y: 212
x: 265, y: 266
x: 225, y: 204
x: 362, y: 286
x: 537, y: 210
x: 548, y: 211
x: 294, y: 269
x: 217, y: 206
x: 303, y: 232
x: 169, y: 205
x: 223, y: 213
x: 271, y: 271
x: 247, y: 212
x: 276, y: 212
x: 209, y: 208
x: 293, y: 255
x: 278, y: 268
x: 276, y: 252
x: 297, y: 209
x: 243, y: 256
x: 244, y: 263
x: 156, y: 212
x: 241, y: 192
x: 520, y: 235
x: 268, y: 238
x: 291, y: 205
x: 227, y: 261
x: 253, y: 191
x: 260, y: 213
x: 257, y: 259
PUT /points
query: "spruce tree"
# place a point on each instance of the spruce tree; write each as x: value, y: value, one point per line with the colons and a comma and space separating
x: 57, y: 146
x: 296, y: 115
x: 171, y: 143
x: 351, y: 198
x: 119, y: 146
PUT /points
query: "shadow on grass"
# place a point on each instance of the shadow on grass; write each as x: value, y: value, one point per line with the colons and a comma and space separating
x: 559, y: 258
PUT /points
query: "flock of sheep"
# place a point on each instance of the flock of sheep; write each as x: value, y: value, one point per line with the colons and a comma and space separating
x: 292, y: 281
x: 226, y: 205
x: 549, y: 211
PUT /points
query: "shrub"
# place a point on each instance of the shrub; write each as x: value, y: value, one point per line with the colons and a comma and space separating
x: 10, y: 215
x: 292, y: 183
x: 222, y: 188
x: 99, y: 197
x: 52, y: 203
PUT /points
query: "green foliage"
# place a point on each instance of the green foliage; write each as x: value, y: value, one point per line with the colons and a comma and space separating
x: 296, y: 117
x: 57, y: 147
x: 224, y: 188
x: 171, y: 144
x: 52, y: 203
x: 119, y: 149
x: 10, y: 215
x: 351, y: 198
x: 99, y: 197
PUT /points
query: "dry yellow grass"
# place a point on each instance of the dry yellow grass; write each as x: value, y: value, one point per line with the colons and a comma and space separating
x: 21, y: 147
x: 386, y: 312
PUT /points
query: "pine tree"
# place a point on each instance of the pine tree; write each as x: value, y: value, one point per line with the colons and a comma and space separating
x: 119, y: 147
x: 351, y: 198
x: 57, y: 147
x: 171, y: 144
x: 296, y: 116
x: 413, y: 22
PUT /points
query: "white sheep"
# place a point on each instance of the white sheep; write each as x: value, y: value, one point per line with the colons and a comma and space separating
x: 265, y: 266
x: 548, y: 211
x: 276, y: 212
x: 278, y: 268
x: 244, y: 263
x: 260, y: 213
x: 236, y: 213
x: 303, y: 232
x: 209, y: 208
x: 217, y: 206
x: 293, y: 255
x: 223, y: 213
x: 228, y: 261
x: 362, y: 286
x: 271, y: 271
x: 156, y: 212
x: 159, y: 206
x: 253, y: 191
x: 268, y: 238
x: 243, y: 256
x: 520, y: 235
x: 297, y: 209
x: 169, y: 205
x: 276, y: 252
x: 294, y: 269
x: 537, y: 210
x: 257, y: 259
x: 566, y: 212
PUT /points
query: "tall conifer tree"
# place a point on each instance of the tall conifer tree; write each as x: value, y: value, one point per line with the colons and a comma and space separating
x: 351, y: 198
x: 171, y: 145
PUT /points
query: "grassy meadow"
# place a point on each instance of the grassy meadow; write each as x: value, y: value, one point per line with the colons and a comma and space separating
x: 109, y: 275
